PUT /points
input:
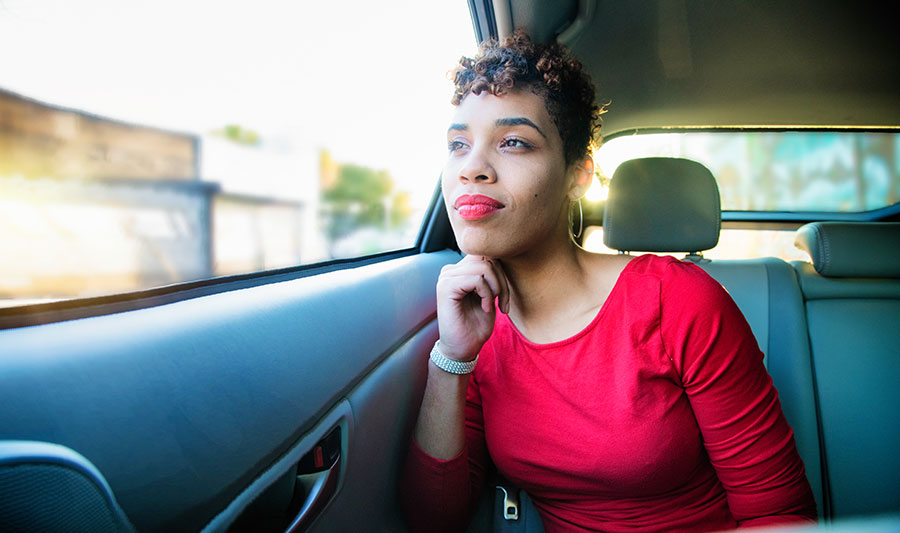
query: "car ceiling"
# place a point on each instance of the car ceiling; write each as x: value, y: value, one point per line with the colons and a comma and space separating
x: 706, y: 63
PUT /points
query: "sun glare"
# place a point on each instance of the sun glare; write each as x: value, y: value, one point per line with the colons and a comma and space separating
x: 597, y: 191
x: 200, y: 154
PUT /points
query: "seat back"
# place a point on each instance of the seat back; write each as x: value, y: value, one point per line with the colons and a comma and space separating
x: 48, y: 487
x: 672, y: 205
x: 852, y: 298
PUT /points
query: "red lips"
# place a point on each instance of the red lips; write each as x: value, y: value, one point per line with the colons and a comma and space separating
x: 475, y: 206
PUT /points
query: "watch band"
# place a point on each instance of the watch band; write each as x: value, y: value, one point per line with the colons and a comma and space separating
x: 450, y: 365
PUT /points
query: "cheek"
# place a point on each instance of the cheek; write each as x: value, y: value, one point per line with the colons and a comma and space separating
x: 548, y: 189
x: 451, y: 170
x: 448, y: 182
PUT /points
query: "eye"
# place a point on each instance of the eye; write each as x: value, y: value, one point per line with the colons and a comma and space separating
x: 455, y: 146
x: 514, y: 142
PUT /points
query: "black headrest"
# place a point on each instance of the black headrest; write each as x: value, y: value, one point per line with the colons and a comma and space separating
x: 662, y: 204
x: 852, y: 249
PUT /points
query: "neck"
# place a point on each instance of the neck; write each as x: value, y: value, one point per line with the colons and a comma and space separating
x: 544, y: 281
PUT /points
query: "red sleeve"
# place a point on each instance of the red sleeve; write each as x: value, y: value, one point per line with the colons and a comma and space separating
x: 744, y: 430
x: 441, y: 495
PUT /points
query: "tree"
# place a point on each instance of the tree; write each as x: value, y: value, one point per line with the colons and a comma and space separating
x: 355, y: 197
x: 238, y: 135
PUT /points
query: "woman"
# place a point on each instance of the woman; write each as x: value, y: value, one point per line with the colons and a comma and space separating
x: 623, y: 394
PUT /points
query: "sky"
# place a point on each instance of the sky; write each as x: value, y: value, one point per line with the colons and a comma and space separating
x: 305, y: 75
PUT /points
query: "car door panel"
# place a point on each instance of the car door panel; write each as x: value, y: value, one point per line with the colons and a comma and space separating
x: 272, y: 503
x: 183, y: 406
x: 385, y: 406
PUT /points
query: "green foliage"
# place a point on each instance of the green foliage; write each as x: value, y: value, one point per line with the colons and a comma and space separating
x: 358, y: 184
x: 238, y: 134
x: 356, y: 197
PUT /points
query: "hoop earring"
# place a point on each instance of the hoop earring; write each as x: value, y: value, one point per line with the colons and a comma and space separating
x: 580, y: 219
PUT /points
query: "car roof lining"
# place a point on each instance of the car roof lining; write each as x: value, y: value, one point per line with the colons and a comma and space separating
x: 707, y: 63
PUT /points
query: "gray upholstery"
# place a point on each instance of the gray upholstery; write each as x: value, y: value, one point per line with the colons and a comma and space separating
x: 817, y: 287
x: 183, y: 406
x: 854, y: 334
x: 661, y: 204
x: 852, y: 249
x: 47, y: 487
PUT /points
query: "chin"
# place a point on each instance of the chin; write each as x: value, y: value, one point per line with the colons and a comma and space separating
x: 483, y: 245
x: 477, y: 243
x: 480, y: 251
x: 469, y: 248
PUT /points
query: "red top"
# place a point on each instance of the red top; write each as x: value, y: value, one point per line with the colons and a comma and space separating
x: 658, y: 416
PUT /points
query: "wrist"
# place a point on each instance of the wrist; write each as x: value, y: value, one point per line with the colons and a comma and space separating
x: 449, y: 351
x: 451, y: 364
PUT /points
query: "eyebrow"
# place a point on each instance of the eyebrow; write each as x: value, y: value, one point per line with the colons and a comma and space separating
x: 519, y: 121
x: 515, y: 121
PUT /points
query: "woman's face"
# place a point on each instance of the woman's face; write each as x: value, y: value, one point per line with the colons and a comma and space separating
x: 506, y: 184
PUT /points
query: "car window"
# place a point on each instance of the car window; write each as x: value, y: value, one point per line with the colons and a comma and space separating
x: 820, y: 173
x: 812, y: 171
x: 150, y: 143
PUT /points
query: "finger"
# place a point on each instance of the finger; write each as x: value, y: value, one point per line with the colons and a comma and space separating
x: 474, y: 283
x: 487, y: 304
x: 485, y: 267
x: 480, y: 267
x: 493, y: 274
x: 490, y: 276
x: 503, y: 281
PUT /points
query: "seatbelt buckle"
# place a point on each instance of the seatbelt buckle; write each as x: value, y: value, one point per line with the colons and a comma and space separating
x: 510, y: 503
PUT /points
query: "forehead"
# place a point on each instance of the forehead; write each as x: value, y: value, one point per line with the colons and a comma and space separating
x: 485, y: 109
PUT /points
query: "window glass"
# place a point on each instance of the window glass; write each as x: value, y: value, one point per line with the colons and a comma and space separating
x: 150, y: 143
x: 780, y: 171
x: 733, y: 243
x: 792, y: 171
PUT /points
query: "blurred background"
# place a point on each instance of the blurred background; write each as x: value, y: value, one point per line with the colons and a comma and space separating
x: 149, y: 143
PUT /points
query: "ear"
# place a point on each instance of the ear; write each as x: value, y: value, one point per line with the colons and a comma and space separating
x: 581, y: 175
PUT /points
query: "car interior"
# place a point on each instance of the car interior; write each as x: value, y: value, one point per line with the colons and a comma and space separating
x: 285, y: 400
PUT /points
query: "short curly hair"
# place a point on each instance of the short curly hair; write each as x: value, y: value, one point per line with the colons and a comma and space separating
x: 549, y: 71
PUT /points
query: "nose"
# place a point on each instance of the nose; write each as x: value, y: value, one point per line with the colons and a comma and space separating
x: 477, y: 169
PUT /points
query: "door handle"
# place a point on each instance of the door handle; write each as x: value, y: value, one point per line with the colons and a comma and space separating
x: 296, y: 490
x: 317, y: 480
x: 322, y: 486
